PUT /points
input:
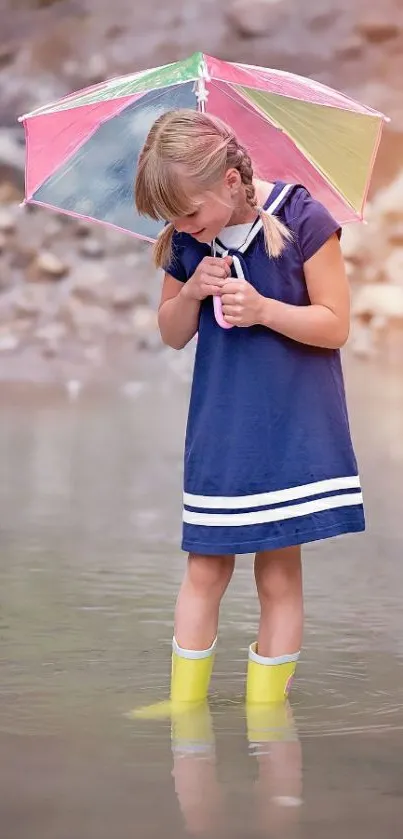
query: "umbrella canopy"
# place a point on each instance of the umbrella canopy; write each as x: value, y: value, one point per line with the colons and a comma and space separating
x: 81, y: 152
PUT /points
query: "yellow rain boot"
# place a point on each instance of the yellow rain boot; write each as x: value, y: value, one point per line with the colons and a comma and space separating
x: 269, y: 679
x: 190, y: 679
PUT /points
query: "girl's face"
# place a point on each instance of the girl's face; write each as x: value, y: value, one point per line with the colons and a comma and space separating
x: 214, y: 209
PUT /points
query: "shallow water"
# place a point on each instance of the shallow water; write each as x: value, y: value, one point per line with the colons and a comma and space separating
x: 90, y: 494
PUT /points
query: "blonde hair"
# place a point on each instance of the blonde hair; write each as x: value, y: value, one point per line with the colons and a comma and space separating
x: 204, y: 147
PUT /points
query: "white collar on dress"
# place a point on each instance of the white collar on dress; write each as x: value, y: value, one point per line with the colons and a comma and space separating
x: 256, y: 227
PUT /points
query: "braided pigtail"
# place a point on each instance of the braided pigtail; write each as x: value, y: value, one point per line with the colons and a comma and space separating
x: 276, y: 234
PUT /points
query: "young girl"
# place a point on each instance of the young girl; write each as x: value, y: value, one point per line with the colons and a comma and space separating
x: 269, y: 463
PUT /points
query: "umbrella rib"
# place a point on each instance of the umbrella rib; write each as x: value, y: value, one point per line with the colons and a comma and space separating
x: 54, y: 107
x: 93, y: 220
x: 108, y: 84
x: 365, y: 110
x: 254, y: 108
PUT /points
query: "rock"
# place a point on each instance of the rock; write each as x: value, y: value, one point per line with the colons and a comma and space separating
x: 47, y: 266
x: 92, y: 247
x: 31, y: 300
x: 376, y: 29
x: 82, y: 228
x: 96, y: 68
x: 12, y: 157
x: 394, y: 267
x: 145, y: 328
x: 37, y: 230
x: 350, y: 49
x: 92, y: 285
x: 351, y: 268
x: 254, y: 18
x: 388, y: 201
x: 379, y: 299
x: 51, y: 336
x: 10, y: 193
x: 126, y: 297
x: 21, y: 257
x: 322, y: 21
x: 52, y: 228
x: 7, y: 307
x: 86, y: 320
x: 395, y: 235
x: 94, y: 355
x: 353, y: 242
x: 361, y: 339
x: 7, y: 54
x: 73, y: 388
x: 132, y: 260
x: 132, y: 389
x: 144, y: 320
x: 8, y: 340
x: 3, y: 242
x: 151, y: 342
x: 7, y: 220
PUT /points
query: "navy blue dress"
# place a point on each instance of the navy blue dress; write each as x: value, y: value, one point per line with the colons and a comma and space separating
x: 269, y: 460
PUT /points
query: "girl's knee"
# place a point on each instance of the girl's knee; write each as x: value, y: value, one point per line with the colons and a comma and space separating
x: 210, y: 574
x: 278, y: 573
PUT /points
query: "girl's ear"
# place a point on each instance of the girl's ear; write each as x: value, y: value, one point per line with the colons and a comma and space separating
x: 233, y: 179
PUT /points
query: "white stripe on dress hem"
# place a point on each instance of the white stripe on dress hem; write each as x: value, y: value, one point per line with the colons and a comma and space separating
x: 319, y: 505
x: 263, y: 499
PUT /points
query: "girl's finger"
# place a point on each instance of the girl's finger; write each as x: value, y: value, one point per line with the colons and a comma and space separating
x: 211, y: 290
x: 232, y: 310
x: 230, y: 299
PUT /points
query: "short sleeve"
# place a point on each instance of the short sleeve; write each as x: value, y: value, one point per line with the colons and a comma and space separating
x: 312, y: 223
x: 175, y: 266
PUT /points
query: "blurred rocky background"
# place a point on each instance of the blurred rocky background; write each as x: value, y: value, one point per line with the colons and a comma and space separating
x: 77, y: 301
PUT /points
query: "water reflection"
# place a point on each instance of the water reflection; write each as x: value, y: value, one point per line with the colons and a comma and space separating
x: 274, y: 747
x: 89, y: 566
x: 200, y: 794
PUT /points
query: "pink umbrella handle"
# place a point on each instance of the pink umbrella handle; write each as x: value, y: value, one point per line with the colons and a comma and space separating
x: 219, y: 315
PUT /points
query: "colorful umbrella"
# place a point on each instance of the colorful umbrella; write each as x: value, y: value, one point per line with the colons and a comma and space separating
x: 82, y: 150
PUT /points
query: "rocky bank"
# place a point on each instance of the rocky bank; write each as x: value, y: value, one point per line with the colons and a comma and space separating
x: 77, y: 300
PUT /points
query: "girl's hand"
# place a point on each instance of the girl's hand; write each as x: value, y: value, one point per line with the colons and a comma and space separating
x: 241, y: 304
x: 209, y: 277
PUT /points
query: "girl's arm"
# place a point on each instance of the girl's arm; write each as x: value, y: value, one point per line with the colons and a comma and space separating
x: 178, y: 314
x: 324, y: 323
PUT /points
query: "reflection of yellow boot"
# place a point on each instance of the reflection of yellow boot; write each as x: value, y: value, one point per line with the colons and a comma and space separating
x: 192, y: 730
x: 269, y: 679
x: 274, y: 742
x: 270, y: 723
x: 190, y: 679
x: 194, y: 769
